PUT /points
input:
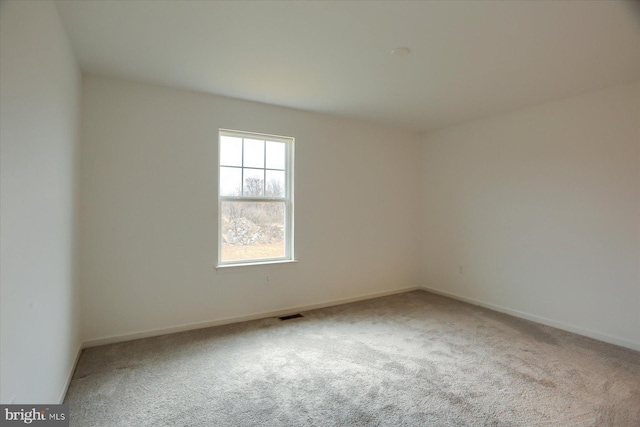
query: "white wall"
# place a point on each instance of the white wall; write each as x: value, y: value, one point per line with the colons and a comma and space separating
x: 39, y: 96
x: 148, y: 215
x: 541, y: 209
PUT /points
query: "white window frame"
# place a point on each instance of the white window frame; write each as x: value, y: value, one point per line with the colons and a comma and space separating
x: 287, y: 199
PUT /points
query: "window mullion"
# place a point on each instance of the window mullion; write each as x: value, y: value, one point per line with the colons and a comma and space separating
x: 242, y: 171
x: 252, y: 199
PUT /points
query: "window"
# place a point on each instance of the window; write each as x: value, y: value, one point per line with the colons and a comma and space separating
x: 255, y: 198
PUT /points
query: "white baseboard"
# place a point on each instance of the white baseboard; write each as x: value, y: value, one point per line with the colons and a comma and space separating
x: 190, y: 326
x: 70, y: 375
x: 539, y: 319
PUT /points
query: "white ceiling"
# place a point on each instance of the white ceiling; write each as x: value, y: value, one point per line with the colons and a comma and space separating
x: 469, y: 59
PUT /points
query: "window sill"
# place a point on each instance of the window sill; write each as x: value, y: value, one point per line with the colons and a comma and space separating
x: 229, y: 267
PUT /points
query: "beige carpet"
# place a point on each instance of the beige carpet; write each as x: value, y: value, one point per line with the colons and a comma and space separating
x: 414, y: 359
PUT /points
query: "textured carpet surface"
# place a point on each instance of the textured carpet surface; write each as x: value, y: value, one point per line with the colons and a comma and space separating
x: 413, y: 359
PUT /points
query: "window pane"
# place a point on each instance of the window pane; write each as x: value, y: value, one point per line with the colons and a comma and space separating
x: 253, y: 153
x: 252, y: 230
x: 275, y: 184
x: 230, y: 151
x: 230, y: 181
x: 275, y: 155
x: 253, y: 183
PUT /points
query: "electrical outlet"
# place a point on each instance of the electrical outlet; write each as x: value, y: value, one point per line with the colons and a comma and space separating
x: 267, y: 279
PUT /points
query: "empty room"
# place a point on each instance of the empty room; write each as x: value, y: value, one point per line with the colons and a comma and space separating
x: 319, y: 213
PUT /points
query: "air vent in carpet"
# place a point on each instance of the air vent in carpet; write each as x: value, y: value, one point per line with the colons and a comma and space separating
x: 292, y: 316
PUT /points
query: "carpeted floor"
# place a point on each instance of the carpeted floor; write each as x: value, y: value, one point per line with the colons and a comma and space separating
x: 413, y: 359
